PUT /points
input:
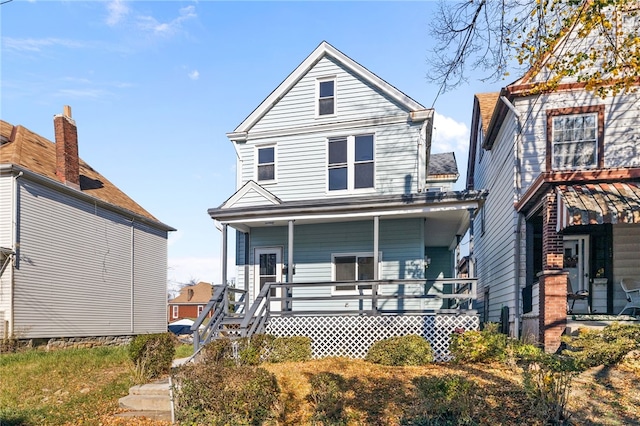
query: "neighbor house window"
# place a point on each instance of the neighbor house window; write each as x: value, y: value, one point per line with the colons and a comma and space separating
x: 174, y: 311
x: 351, y: 163
x: 326, y: 97
x: 353, y: 267
x: 266, y: 163
x: 574, y: 138
x: 200, y: 308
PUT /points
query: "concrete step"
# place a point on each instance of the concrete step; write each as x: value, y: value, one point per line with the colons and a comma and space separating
x: 148, y: 397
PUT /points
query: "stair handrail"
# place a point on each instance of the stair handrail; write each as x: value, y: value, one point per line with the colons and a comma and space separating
x: 218, y: 314
x: 258, y: 310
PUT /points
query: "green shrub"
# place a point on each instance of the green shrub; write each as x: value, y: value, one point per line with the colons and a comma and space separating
x: 603, y: 347
x: 219, y: 395
x: 446, y: 400
x: 327, y: 398
x: 290, y: 349
x: 152, y: 354
x: 547, y: 381
x: 487, y: 345
x: 404, y: 350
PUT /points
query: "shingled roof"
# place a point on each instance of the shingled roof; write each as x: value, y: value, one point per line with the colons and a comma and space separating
x: 443, y: 164
x: 21, y: 147
x: 487, y: 103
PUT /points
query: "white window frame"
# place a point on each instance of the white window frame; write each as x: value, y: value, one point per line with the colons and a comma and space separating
x: 334, y: 290
x: 257, y: 163
x: 200, y: 309
x: 335, y: 96
x: 351, y: 163
x: 175, y: 311
x: 573, y: 142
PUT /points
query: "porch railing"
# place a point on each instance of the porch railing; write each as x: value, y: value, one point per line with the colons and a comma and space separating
x: 385, y: 297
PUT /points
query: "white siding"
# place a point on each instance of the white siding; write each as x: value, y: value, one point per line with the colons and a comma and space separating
x: 75, y: 268
x: 494, y: 249
x: 626, y: 259
x: 6, y: 208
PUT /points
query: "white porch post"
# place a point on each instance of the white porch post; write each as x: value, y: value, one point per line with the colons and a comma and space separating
x: 224, y: 253
x: 376, y: 246
x: 287, y: 301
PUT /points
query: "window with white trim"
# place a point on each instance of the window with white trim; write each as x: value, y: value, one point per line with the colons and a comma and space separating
x: 575, y: 141
x: 200, y: 309
x: 174, y: 311
x: 352, y: 267
x: 266, y: 164
x: 351, y: 163
x: 326, y: 97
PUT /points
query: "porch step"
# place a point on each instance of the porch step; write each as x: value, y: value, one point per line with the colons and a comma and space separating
x: 151, y: 397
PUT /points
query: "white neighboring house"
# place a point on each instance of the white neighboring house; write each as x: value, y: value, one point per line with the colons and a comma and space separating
x: 560, y: 227
x: 79, y: 258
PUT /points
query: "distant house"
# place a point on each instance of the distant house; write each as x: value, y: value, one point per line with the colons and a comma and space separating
x: 190, y: 302
x: 79, y: 257
x: 560, y: 227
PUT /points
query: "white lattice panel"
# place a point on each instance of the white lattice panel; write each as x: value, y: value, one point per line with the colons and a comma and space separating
x: 351, y: 336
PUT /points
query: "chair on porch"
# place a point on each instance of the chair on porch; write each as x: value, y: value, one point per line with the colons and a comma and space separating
x: 631, y: 288
x: 572, y: 297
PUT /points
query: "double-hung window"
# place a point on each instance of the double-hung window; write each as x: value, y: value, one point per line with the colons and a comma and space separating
x: 353, y: 267
x: 351, y: 163
x: 574, y: 138
x: 266, y: 169
x: 326, y: 97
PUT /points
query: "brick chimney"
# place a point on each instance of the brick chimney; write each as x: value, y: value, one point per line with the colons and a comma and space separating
x: 67, y: 161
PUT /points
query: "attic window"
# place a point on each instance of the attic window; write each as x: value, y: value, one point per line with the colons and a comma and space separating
x: 326, y: 97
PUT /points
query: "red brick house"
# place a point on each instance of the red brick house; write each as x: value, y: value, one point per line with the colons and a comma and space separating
x: 190, y: 302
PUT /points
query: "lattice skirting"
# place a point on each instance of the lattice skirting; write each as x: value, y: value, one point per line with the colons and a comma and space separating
x: 351, y: 336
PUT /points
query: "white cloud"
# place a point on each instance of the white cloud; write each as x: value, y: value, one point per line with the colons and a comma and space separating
x: 194, y: 75
x: 37, y: 45
x: 150, y: 24
x: 449, y: 135
x: 117, y: 11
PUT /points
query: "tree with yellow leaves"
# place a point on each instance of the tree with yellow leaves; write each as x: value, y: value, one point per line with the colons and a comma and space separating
x: 592, y: 43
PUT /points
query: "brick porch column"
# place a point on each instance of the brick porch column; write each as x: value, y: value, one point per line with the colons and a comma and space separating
x: 553, y: 281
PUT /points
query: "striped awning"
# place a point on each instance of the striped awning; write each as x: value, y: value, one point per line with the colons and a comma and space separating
x: 598, y: 203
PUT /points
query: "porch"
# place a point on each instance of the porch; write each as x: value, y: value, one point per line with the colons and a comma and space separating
x: 347, y: 324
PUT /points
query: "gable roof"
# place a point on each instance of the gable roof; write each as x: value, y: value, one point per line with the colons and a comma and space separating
x: 21, y: 147
x: 196, y: 294
x: 324, y: 49
x: 487, y: 104
x: 247, y: 188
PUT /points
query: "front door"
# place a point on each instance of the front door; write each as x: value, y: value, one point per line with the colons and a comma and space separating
x: 576, y: 262
x: 268, y: 268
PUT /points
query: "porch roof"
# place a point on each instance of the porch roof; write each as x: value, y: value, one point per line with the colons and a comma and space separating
x: 448, y: 211
x: 598, y: 203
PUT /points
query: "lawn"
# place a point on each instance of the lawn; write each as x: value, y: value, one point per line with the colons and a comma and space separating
x: 82, y: 386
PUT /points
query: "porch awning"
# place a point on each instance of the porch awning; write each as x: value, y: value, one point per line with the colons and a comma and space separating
x: 598, y: 203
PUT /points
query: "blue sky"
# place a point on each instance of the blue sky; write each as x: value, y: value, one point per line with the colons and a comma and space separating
x: 155, y: 86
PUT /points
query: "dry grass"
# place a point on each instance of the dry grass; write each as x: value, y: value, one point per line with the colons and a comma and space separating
x: 83, y: 387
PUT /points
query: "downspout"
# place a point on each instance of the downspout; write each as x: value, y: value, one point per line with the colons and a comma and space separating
x: 15, y: 245
x: 423, y: 153
x: 517, y: 186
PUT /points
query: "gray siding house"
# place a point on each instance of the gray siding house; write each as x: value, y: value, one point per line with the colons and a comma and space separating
x: 560, y: 227
x: 79, y: 257
x: 336, y: 183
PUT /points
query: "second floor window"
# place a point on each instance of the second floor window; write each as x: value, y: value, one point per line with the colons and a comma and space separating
x: 575, y: 138
x: 351, y: 163
x: 266, y: 164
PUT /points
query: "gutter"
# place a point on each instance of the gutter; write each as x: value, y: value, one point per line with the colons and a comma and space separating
x: 15, y: 246
x: 12, y: 168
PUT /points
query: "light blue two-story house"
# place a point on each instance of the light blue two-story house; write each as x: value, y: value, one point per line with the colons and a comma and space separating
x: 337, y: 191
